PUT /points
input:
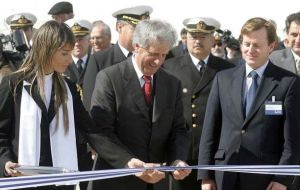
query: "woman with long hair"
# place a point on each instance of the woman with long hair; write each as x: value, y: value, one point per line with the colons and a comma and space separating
x: 40, y: 110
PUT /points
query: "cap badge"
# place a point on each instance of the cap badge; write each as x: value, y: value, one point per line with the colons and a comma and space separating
x: 22, y: 20
x: 200, y: 26
x: 76, y: 27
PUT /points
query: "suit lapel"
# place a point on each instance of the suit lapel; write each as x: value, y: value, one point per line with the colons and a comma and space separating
x: 132, y: 84
x: 207, y: 76
x: 118, y: 54
x: 81, y: 76
x: 237, y: 91
x: 159, y: 102
x: 290, y: 61
x: 265, y: 88
x: 36, y: 97
x: 51, y: 111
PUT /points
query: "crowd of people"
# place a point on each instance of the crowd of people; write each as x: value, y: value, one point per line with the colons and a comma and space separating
x: 76, y: 100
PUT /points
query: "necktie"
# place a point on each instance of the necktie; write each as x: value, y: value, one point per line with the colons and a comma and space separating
x: 129, y: 54
x: 202, y: 67
x: 252, y: 91
x: 298, y: 66
x: 79, y: 65
x: 147, y: 89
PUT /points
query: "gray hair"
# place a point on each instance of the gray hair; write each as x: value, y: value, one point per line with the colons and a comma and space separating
x: 149, y: 31
x: 106, y: 28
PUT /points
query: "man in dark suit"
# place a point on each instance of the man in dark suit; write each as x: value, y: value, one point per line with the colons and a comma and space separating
x: 196, y: 84
x: 138, y: 106
x: 289, y: 58
x: 126, y: 22
x: 252, y: 117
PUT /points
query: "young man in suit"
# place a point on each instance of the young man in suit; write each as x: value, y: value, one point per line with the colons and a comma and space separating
x: 138, y: 106
x: 252, y: 117
x: 126, y: 21
x: 195, y: 84
x: 289, y: 58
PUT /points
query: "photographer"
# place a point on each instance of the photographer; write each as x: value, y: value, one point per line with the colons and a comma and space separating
x: 9, y: 61
x: 226, y: 47
x: 17, y: 43
x: 22, y: 22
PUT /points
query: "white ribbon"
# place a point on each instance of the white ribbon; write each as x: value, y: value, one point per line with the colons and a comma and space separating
x: 71, y: 178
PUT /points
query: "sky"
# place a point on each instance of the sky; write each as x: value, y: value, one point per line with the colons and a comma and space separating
x: 230, y: 13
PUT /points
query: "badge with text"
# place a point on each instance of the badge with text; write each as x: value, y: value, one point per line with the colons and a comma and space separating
x: 273, y: 107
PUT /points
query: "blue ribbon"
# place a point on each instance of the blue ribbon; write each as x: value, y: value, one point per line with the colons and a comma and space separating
x: 76, y: 177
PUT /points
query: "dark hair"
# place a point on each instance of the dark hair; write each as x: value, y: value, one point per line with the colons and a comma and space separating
x: 183, y: 31
x: 294, y: 17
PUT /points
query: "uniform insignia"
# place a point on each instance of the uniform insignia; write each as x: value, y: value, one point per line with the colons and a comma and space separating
x: 79, y: 90
x: 200, y: 26
x: 22, y: 20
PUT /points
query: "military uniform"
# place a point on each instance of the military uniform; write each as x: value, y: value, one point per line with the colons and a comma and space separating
x: 112, y: 55
x: 80, y: 28
x: 195, y: 87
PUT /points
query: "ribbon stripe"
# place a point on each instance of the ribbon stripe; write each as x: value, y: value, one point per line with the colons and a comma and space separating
x: 76, y: 177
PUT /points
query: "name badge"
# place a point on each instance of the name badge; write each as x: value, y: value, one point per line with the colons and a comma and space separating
x: 273, y: 108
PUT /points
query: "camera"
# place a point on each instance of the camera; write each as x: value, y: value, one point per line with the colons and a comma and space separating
x: 228, y: 39
x: 16, y: 40
x: 226, y: 35
x: 12, y: 49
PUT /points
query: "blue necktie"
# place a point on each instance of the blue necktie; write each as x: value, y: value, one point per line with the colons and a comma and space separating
x: 252, y: 91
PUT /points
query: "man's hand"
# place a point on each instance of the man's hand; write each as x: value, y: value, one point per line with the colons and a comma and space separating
x: 276, y: 186
x: 149, y: 176
x: 208, y: 184
x: 10, y: 169
x: 180, y: 173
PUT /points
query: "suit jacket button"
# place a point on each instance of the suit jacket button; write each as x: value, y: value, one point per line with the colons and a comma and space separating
x: 194, y: 125
x: 193, y: 97
x: 243, y: 131
x: 193, y: 105
x: 194, y: 115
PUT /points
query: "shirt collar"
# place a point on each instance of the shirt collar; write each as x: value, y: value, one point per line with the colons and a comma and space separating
x: 84, y: 59
x: 296, y: 57
x: 260, y: 70
x: 196, y: 60
x: 124, y: 50
x: 138, y: 71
